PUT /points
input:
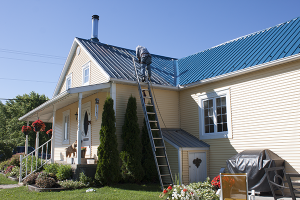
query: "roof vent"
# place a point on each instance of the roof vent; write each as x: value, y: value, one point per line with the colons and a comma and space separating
x: 95, y: 19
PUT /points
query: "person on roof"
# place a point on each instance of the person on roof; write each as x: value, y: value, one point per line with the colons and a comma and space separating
x: 144, y: 58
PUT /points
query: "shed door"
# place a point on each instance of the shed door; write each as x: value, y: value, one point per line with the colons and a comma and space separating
x: 197, y: 167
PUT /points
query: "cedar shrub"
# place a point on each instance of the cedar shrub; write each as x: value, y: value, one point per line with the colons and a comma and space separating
x: 131, y: 155
x: 108, y: 170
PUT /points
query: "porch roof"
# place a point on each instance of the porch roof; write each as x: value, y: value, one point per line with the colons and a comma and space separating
x: 45, y: 111
x: 182, y: 139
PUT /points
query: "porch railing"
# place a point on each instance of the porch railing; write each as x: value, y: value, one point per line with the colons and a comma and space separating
x: 41, y: 153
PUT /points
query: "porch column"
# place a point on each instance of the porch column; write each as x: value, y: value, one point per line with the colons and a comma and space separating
x: 53, y: 134
x: 26, y: 141
x: 79, y: 129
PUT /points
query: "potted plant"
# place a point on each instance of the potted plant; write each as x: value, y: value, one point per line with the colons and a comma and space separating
x: 83, y: 150
x: 38, y: 125
x: 26, y: 129
x: 49, y: 133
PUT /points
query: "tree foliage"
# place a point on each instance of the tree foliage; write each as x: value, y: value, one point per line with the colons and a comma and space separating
x: 108, y: 170
x: 10, y: 126
x: 131, y: 155
x: 148, y: 161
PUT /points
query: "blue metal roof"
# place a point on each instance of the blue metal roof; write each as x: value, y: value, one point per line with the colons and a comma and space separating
x: 118, y: 64
x: 182, y: 138
x: 264, y: 46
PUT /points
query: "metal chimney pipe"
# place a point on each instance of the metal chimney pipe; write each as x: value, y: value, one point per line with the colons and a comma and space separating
x: 95, y: 19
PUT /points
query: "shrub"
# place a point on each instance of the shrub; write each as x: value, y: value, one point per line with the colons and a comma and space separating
x: 131, y: 155
x: 3, y: 165
x: 64, y: 172
x: 85, y: 179
x: 15, y: 171
x: 9, y: 169
x: 6, y: 148
x: 108, y: 170
x: 51, y: 168
x: 45, y: 182
x: 30, y: 180
x: 70, y: 184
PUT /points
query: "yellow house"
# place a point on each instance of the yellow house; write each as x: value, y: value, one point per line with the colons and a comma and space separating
x: 242, y: 94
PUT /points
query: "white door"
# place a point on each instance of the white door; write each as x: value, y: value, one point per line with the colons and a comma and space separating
x: 197, y: 167
x: 86, y: 127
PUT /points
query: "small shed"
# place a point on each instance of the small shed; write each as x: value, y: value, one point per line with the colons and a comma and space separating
x: 188, y: 156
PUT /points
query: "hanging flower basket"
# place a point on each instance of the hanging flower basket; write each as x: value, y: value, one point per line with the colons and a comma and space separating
x: 49, y: 133
x: 26, y: 129
x: 38, y: 125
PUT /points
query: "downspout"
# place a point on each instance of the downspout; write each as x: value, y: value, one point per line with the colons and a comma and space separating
x: 180, y: 164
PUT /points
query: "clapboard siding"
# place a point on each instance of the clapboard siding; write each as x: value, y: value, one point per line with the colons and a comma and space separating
x: 78, y: 61
x: 167, y: 103
x: 172, y: 154
x: 95, y: 126
x: 265, y: 114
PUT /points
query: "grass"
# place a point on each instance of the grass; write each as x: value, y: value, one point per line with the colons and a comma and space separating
x: 119, y: 191
x: 6, y: 181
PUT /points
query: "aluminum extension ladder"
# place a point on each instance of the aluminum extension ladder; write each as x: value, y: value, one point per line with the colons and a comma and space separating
x: 156, y: 140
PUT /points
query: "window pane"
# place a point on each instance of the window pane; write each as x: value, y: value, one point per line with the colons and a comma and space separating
x: 212, y: 128
x: 206, y: 129
x: 211, y: 120
x: 211, y: 111
x: 219, y: 119
x: 224, y: 118
x: 219, y: 127
x: 218, y: 101
x: 224, y: 110
x: 206, y: 120
x: 205, y: 112
x: 218, y: 110
x: 224, y: 126
x: 211, y: 103
x: 205, y: 104
x: 223, y: 99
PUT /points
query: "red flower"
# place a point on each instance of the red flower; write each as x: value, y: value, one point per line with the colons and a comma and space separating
x: 184, y: 190
x: 39, y: 124
x: 49, y: 131
x: 26, y: 129
x: 165, y: 191
x: 170, y: 187
x: 216, y: 182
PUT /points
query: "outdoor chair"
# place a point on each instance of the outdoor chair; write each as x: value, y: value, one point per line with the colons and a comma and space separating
x: 276, y: 181
x: 234, y: 186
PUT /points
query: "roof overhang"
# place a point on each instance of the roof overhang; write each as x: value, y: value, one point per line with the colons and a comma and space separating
x: 45, y: 111
x: 242, y: 71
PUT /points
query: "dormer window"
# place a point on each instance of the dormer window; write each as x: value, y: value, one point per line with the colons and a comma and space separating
x: 86, y: 74
x: 69, y: 81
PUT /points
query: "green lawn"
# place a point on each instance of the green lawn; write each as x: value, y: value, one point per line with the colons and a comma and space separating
x: 120, y: 191
x: 6, y: 181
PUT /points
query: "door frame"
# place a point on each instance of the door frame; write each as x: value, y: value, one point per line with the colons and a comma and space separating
x: 86, y: 107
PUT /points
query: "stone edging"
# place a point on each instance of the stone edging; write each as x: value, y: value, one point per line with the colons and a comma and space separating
x: 36, y: 189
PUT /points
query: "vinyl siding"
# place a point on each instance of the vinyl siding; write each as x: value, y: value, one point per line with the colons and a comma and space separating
x: 167, y: 103
x: 172, y: 154
x: 264, y: 110
x: 78, y: 61
x: 185, y: 164
x: 59, y: 150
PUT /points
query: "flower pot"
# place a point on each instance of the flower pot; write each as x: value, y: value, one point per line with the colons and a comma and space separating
x: 83, y: 153
x: 25, y: 133
x: 36, y: 129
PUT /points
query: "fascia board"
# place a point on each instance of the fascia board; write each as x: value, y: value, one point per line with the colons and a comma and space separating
x: 171, y: 143
x: 128, y: 82
x: 243, y: 71
x: 44, y: 105
x: 93, y: 59
x: 89, y: 88
x: 65, y: 68
x: 194, y: 148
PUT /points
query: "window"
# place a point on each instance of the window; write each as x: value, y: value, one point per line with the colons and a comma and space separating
x: 214, y: 115
x: 86, y: 74
x: 66, y: 126
x: 68, y: 81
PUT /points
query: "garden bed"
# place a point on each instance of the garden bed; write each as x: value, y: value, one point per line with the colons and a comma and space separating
x: 37, y: 189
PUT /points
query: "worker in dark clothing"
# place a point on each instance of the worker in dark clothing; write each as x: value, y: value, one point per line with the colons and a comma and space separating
x: 144, y: 58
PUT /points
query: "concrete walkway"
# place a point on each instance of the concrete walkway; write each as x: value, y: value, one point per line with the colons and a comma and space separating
x: 9, y: 186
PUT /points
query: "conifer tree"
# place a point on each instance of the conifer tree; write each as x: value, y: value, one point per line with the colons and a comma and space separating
x: 108, y: 170
x: 148, y: 161
x: 131, y: 155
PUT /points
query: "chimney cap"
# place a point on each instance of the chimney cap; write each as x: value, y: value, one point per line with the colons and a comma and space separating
x: 95, y: 17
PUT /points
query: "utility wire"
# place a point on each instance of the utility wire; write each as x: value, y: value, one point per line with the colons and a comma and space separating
x: 31, y: 61
x: 14, y: 79
x: 32, y: 54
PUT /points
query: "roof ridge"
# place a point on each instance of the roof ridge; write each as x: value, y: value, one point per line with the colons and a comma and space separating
x: 243, y: 37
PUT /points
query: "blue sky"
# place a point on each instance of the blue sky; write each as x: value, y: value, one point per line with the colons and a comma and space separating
x: 36, y: 36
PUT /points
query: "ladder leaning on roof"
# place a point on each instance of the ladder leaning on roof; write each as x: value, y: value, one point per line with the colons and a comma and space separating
x: 157, y: 142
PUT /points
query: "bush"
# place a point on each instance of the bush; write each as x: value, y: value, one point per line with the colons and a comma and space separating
x: 45, y: 182
x: 70, y: 184
x: 9, y: 169
x: 6, y: 149
x: 15, y: 171
x: 132, y: 170
x: 108, y: 170
x: 51, y: 168
x: 64, y: 172
x: 88, y: 181
x: 30, y: 180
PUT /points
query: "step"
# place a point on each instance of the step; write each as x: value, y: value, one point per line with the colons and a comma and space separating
x: 151, y: 113
x: 144, y: 89
x: 165, y: 175
x: 157, y: 138
x: 148, y: 105
x: 160, y: 156
x: 160, y: 147
x: 163, y: 165
x: 146, y: 97
x: 152, y: 121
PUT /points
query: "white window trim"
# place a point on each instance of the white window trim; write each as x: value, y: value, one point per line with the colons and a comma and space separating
x: 84, y: 67
x: 66, y: 141
x: 215, y: 135
x: 68, y: 77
